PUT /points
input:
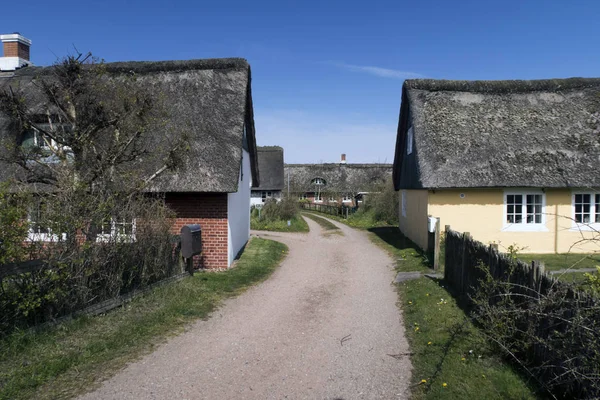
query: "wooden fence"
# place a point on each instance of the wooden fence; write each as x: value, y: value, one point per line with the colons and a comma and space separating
x: 549, y: 313
x: 340, y: 211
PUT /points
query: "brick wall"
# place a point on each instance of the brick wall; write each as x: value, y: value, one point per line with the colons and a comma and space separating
x: 210, y: 211
x: 16, y: 49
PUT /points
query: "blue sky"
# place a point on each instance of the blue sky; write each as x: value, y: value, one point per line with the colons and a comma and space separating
x: 327, y: 75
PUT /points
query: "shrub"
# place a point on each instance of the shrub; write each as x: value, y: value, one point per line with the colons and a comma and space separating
x: 384, y: 203
x: 285, y: 209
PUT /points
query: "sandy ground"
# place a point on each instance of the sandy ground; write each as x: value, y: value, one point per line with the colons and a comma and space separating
x: 324, y: 326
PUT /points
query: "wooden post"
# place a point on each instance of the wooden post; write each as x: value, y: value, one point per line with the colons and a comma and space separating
x: 463, y: 261
x: 436, y: 249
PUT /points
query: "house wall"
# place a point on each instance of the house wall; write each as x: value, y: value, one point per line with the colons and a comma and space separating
x: 413, y: 219
x: 481, y: 212
x: 238, y: 206
x: 210, y: 211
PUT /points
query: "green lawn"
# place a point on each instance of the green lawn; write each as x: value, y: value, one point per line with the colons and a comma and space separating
x: 68, y: 359
x: 555, y: 262
x: 327, y: 225
x: 452, y: 359
x: 408, y: 256
x: 297, y: 224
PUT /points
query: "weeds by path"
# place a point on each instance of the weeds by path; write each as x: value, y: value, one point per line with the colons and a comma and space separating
x: 68, y: 359
x: 297, y: 224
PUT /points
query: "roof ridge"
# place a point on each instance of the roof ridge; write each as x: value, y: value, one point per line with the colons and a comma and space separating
x: 501, y: 86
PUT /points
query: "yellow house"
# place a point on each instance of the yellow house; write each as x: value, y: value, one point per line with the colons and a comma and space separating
x: 511, y: 162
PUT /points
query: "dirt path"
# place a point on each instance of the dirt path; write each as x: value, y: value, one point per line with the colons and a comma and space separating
x: 324, y: 326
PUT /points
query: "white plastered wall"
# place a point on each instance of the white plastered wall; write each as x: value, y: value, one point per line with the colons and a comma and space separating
x: 238, y: 211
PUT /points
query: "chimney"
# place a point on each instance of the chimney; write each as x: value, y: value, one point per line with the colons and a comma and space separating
x: 343, y: 160
x: 16, y: 52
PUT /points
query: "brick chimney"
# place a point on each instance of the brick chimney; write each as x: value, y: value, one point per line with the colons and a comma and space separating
x: 343, y: 160
x: 16, y: 52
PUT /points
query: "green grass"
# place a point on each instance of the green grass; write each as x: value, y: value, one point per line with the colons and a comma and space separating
x: 69, y: 359
x: 554, y: 262
x: 297, y: 224
x: 448, y: 348
x: 327, y: 225
x: 408, y: 256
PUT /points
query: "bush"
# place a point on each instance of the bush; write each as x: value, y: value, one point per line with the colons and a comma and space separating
x: 274, y: 210
x: 383, y: 203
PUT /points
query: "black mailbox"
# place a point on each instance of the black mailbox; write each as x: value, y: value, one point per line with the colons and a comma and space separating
x: 191, y: 240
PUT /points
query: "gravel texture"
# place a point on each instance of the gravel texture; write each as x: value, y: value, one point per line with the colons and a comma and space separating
x: 324, y: 326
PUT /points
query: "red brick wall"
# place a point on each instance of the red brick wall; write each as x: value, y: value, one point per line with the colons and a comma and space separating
x: 210, y: 211
x: 16, y: 49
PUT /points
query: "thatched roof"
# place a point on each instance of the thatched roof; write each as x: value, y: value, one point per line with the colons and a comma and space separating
x: 270, y: 168
x: 210, y: 100
x: 467, y: 134
x: 339, y: 178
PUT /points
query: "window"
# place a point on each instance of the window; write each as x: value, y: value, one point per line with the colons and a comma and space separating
x: 119, y: 229
x: 49, y: 148
x: 302, y: 196
x: 347, y: 198
x: 39, y: 224
x: 586, y: 210
x: 318, y: 196
x: 319, y: 181
x: 332, y: 199
x: 409, y: 141
x: 524, y: 211
x: 266, y: 195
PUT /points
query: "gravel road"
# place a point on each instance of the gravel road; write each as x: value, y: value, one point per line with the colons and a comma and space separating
x: 324, y: 326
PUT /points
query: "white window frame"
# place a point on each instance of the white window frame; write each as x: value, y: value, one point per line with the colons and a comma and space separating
x: 318, y: 197
x: 302, y: 196
x: 585, y: 226
x: 266, y: 195
x: 121, y: 237
x: 33, y: 236
x: 332, y: 199
x: 319, y: 181
x: 409, y: 141
x: 347, y: 198
x: 524, y: 226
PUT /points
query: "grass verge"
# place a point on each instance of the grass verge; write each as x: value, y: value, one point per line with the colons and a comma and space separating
x: 408, y: 256
x: 451, y: 357
x: 68, y: 359
x: 297, y: 224
x: 327, y: 225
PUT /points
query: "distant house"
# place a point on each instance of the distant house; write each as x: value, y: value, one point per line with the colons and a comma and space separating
x: 212, y: 100
x: 335, y: 183
x: 511, y: 162
x: 270, y: 169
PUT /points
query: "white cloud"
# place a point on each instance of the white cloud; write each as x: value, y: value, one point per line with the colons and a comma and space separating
x: 312, y: 138
x: 381, y: 72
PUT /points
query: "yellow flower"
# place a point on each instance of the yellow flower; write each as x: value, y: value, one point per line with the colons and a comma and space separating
x: 416, y: 329
x: 423, y: 380
x: 444, y: 384
x: 427, y: 294
x: 428, y: 343
x: 410, y: 302
x: 463, y: 359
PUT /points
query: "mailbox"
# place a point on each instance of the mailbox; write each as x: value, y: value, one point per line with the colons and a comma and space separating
x: 191, y: 240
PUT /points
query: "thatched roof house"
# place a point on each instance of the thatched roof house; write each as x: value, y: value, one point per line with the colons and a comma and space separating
x: 270, y: 168
x: 338, y: 178
x: 511, y: 162
x: 499, y: 133
x: 209, y: 100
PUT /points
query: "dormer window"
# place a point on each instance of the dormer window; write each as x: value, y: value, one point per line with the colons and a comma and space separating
x: 319, y: 182
x: 49, y: 149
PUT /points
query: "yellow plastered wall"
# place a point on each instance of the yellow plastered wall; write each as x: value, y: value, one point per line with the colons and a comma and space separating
x: 414, y: 223
x: 481, y: 212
